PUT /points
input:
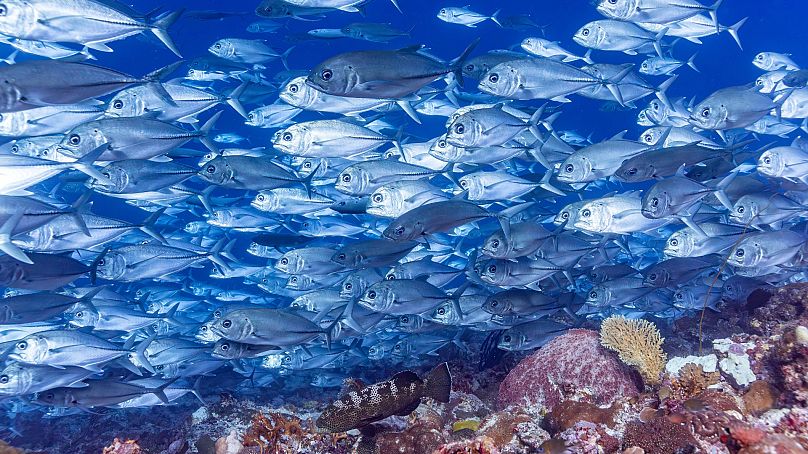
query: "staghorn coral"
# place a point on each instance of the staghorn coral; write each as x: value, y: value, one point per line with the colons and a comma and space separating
x: 571, y: 363
x: 637, y: 343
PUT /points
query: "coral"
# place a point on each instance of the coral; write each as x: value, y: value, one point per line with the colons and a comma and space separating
x: 659, y: 436
x: 588, y: 438
x: 422, y: 436
x: 482, y: 445
x: 502, y: 426
x: 229, y: 444
x: 708, y: 363
x: 692, y: 381
x: 6, y: 448
x: 784, y: 308
x: 571, y: 412
x: 280, y: 433
x: 123, y: 447
x: 466, y: 424
x: 760, y: 398
x: 637, y: 343
x: 572, y: 362
x: 775, y: 444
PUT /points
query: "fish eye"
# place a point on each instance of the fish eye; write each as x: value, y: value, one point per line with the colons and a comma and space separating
x: 442, y: 143
x: 74, y: 139
x: 348, y: 286
x: 739, y: 253
x: 655, y: 202
x: 648, y: 138
x: 284, y: 261
x: 405, y: 319
x: 767, y: 160
x: 586, y: 213
x: 593, y: 295
x: 118, y: 104
x: 22, y: 345
x: 495, y: 243
x: 652, y: 276
x: 15, y: 149
x: 49, y: 396
x: 459, y: 128
x: 341, y: 256
x: 492, y: 269
x: 203, y: 328
x: 644, y: 65
x: 391, y: 277
x: 441, y: 311
x: 674, y: 242
x: 3, y: 10
x: 327, y: 74
x: 227, y: 323
x: 632, y: 171
x: 372, y: 294
x: 225, y: 347
x: 4, y: 379
x: 494, y: 303
x: 506, y: 338
x: 217, y: 46
x: 260, y: 197
x: 740, y: 209
x: 106, y: 174
x: 469, y: 68
x: 443, y: 11
x: 378, y: 198
x: 493, y: 78
x: 293, y: 88
x: 705, y: 112
x: 759, y: 56
x: 569, y: 168
x: 250, y: 116
x: 400, y: 231
x: 759, y: 82
x: 79, y: 314
x: 613, y: 2
x: 305, y: 226
x: 307, y: 165
x: 287, y: 136
x: 211, y: 169
x: 346, y: 178
x: 397, y: 347
x: 102, y: 262
x: 464, y: 183
x: 585, y: 32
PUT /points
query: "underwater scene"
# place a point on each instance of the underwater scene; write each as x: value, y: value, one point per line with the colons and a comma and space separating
x: 403, y: 226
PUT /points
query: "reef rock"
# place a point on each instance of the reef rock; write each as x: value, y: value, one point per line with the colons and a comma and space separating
x: 572, y: 363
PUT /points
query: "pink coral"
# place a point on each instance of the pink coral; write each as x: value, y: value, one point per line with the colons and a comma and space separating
x: 572, y: 362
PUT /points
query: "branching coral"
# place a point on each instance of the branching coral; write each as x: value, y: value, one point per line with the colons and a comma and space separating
x: 637, y: 343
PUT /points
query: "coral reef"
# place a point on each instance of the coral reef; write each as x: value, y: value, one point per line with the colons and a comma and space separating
x: 123, y: 447
x: 660, y: 435
x: 5, y: 448
x: 637, y: 343
x: 570, y: 364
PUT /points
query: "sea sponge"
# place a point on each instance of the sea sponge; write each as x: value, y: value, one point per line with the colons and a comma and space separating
x: 637, y: 343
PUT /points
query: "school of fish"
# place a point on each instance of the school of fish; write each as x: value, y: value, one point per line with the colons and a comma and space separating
x: 350, y: 240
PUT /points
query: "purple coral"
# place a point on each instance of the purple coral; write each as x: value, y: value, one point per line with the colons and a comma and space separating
x: 568, y: 364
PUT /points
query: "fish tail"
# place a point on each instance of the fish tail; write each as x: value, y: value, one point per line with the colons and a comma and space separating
x: 692, y: 62
x: 6, y: 231
x: 457, y: 64
x: 233, y: 99
x: 148, y: 225
x: 205, y: 130
x: 160, y: 29
x: 438, y: 384
x: 495, y: 17
x: 733, y: 31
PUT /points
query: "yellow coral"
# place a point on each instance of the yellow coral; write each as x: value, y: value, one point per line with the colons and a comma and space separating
x: 637, y: 343
x: 469, y: 424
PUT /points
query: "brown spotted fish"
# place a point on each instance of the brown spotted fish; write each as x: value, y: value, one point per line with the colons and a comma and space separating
x: 399, y: 395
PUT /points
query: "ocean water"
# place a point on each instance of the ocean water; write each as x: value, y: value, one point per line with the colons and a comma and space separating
x: 772, y: 26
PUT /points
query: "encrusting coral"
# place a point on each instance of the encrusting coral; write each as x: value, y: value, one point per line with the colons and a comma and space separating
x: 638, y: 343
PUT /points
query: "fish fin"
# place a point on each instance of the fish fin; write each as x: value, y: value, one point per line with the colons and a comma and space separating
x: 140, y: 353
x: 76, y: 209
x: 438, y: 384
x: 160, y: 29
x: 495, y: 17
x: 233, y: 99
x: 409, y: 408
x: 85, y: 164
x: 205, y: 132
x: 148, y: 225
x: 5, y: 239
x: 733, y: 31
x: 456, y: 65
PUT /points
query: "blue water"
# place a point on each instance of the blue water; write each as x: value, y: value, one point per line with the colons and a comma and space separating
x: 776, y: 25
